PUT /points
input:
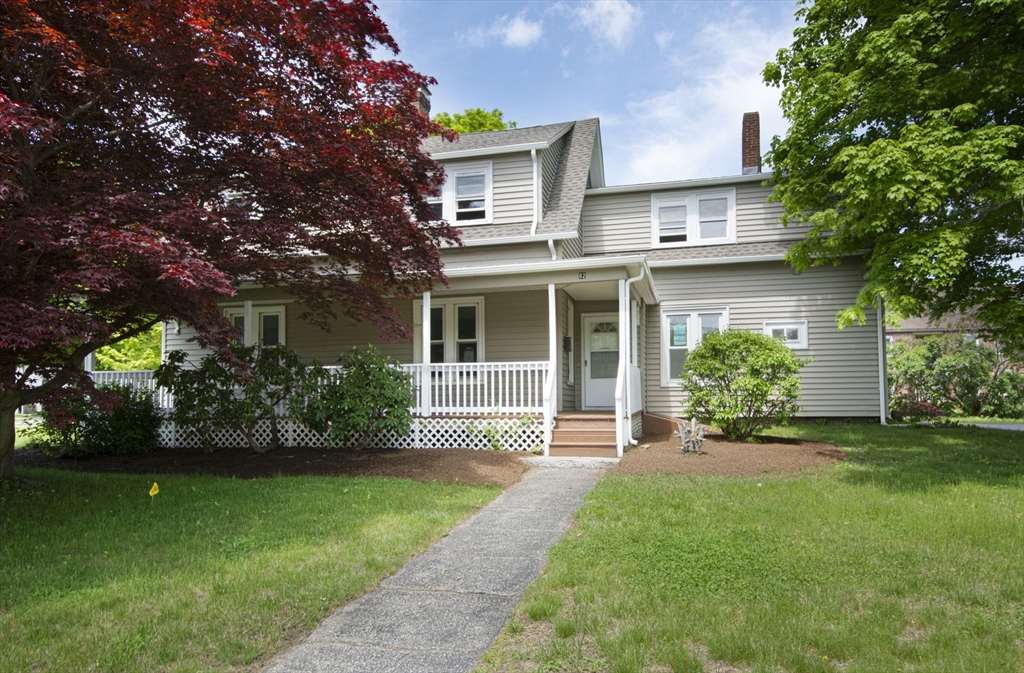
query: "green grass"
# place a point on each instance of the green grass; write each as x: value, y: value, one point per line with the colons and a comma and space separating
x: 908, y: 556
x: 210, y: 575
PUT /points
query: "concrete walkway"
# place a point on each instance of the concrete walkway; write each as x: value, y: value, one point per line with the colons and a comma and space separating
x: 444, y: 608
x: 1002, y: 426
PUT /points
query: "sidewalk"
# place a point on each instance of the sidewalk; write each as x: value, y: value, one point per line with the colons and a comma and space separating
x: 444, y: 608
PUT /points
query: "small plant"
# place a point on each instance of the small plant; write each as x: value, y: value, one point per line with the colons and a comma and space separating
x: 499, y: 431
x: 238, y: 394
x: 913, y: 412
x: 370, y: 395
x: 741, y: 382
x: 119, y: 419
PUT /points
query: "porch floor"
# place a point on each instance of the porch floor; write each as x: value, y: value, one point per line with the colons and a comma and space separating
x: 584, y: 433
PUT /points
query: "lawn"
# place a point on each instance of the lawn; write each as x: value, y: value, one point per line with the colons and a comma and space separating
x: 908, y: 556
x: 211, y: 574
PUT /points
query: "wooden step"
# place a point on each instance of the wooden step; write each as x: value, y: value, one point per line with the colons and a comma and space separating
x: 583, y: 435
x: 582, y: 450
x: 586, y: 422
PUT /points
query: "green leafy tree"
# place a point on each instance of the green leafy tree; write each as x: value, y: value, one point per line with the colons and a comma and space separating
x: 905, y: 141
x: 133, y: 354
x: 474, y: 120
x: 369, y: 395
x: 237, y: 394
x: 741, y: 382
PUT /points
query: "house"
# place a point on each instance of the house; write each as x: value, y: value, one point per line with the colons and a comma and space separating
x: 574, y: 303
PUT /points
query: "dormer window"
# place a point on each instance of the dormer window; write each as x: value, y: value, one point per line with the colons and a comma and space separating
x: 693, y: 218
x: 467, y: 196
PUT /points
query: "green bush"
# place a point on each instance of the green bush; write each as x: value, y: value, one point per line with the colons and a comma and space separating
x: 369, y: 395
x: 130, y: 425
x: 239, y: 394
x: 741, y: 382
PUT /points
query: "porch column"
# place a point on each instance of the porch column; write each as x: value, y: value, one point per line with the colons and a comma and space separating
x: 550, y: 385
x: 425, y: 374
x: 250, y: 337
x: 622, y: 380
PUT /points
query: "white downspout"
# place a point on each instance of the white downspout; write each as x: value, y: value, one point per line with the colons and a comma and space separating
x: 629, y: 352
x: 883, y: 375
x: 551, y: 247
x: 537, y: 205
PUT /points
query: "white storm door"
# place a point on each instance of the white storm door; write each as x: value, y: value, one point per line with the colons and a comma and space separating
x: 600, y: 360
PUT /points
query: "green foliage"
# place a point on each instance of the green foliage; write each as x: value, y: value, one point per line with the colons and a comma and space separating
x: 369, y: 395
x: 138, y: 352
x: 474, y: 120
x: 741, y: 382
x: 955, y: 375
x: 906, y: 139
x: 83, y: 428
x: 237, y: 395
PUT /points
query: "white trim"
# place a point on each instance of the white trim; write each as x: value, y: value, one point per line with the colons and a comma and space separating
x: 801, y: 325
x: 252, y: 318
x: 883, y: 374
x: 503, y: 240
x: 559, y: 265
x: 692, y: 332
x: 691, y: 201
x: 699, y: 183
x: 665, y: 263
x: 449, y: 197
x: 421, y: 346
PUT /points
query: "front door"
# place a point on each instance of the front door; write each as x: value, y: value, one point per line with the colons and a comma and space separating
x: 600, y: 360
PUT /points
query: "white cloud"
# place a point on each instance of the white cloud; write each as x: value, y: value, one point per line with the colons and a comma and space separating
x: 694, y: 129
x: 513, y: 32
x: 664, y: 38
x: 611, y: 21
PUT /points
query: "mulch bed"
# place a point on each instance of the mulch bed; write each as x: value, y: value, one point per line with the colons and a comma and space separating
x: 721, y: 456
x: 501, y: 468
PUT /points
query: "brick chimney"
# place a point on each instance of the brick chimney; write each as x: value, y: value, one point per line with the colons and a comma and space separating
x: 751, y: 143
x: 423, y: 102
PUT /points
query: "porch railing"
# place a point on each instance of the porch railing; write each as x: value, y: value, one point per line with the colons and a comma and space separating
x: 455, y: 389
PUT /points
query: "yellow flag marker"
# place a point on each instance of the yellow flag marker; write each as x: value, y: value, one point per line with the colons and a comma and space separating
x: 153, y: 491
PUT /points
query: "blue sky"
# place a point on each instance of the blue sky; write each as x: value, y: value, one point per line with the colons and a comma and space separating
x: 670, y: 81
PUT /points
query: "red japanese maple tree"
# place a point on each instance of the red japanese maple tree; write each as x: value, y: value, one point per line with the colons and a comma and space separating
x: 153, y: 154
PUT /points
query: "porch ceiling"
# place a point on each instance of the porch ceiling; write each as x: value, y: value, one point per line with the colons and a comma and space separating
x: 596, y: 291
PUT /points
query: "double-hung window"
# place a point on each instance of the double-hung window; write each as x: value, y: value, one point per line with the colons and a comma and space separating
x: 681, y: 330
x: 693, y: 218
x: 267, y: 321
x: 456, y: 330
x: 467, y: 196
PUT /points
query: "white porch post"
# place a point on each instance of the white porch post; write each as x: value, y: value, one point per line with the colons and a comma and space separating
x: 549, y: 384
x: 425, y: 378
x: 621, y: 382
x: 250, y: 336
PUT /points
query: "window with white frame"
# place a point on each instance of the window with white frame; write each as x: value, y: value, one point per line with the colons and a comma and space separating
x: 681, y: 330
x: 268, y: 321
x: 793, y: 333
x: 467, y: 195
x: 693, y: 218
x: 456, y: 330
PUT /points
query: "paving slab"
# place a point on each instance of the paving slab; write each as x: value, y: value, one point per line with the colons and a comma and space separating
x: 443, y: 609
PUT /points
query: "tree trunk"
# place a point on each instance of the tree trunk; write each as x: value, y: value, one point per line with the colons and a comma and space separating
x: 7, y: 409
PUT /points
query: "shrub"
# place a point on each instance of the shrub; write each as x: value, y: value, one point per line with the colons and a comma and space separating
x: 741, y: 382
x: 370, y: 395
x: 911, y: 412
x: 238, y: 394
x: 127, y: 422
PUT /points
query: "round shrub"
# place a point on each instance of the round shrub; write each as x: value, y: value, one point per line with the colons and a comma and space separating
x: 741, y: 382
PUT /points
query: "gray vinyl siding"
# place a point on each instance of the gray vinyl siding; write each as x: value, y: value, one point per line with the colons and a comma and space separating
x: 842, y: 380
x: 487, y: 255
x: 549, y: 159
x: 516, y: 326
x: 176, y: 338
x: 622, y: 222
x: 312, y: 343
x: 570, y: 248
x: 512, y: 176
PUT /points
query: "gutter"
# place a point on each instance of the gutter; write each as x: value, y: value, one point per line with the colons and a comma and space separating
x: 679, y: 184
x: 663, y: 263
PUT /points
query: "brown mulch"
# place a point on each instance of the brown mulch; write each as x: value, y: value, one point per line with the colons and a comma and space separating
x: 721, y: 456
x: 501, y: 468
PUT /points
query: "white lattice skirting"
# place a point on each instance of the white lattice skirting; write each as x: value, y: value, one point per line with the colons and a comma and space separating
x: 510, y: 434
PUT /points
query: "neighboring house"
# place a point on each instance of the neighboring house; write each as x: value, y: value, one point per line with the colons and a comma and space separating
x: 922, y: 328
x: 573, y: 304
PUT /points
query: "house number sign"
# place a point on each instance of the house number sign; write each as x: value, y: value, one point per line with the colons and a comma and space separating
x: 582, y: 275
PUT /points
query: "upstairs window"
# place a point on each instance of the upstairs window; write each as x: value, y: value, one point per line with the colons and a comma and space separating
x: 793, y: 333
x: 693, y: 218
x: 467, y: 195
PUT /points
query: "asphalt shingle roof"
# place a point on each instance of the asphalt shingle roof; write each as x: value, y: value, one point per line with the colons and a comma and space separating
x: 566, y: 201
x: 495, y: 139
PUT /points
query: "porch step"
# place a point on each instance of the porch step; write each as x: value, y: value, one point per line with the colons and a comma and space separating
x: 583, y: 434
